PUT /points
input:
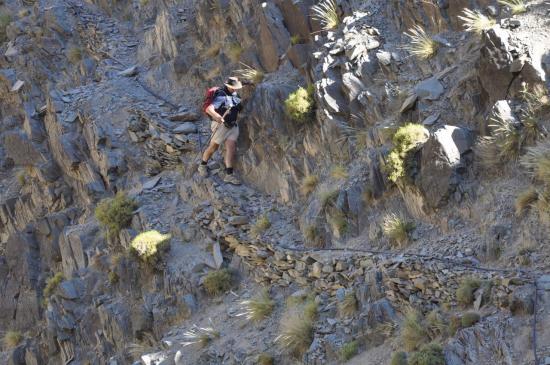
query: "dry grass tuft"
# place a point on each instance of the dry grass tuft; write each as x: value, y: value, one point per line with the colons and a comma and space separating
x: 537, y: 161
x: 420, y: 43
x: 349, y: 350
x: 234, y: 52
x: 115, y: 213
x: 413, y: 331
x: 431, y: 354
x: 12, y: 339
x: 297, y: 325
x: 202, y: 336
x: 465, y: 292
x: 525, y: 200
x: 52, y: 283
x: 261, y: 225
x: 516, y: 6
x: 476, y: 22
x: 218, y: 282
x: 250, y: 73
x: 265, y: 359
x: 397, y: 229
x: 469, y: 319
x: 326, y: 12
x: 309, y: 183
x: 339, y: 173
x: 257, y: 308
x: 327, y: 195
x: 348, y: 306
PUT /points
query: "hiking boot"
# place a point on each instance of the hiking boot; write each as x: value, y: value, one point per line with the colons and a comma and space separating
x: 203, y: 170
x: 232, y: 179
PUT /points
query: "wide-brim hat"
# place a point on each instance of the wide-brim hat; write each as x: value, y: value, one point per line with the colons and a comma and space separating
x: 233, y: 83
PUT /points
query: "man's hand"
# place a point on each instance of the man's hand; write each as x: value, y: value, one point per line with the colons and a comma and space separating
x: 219, y: 119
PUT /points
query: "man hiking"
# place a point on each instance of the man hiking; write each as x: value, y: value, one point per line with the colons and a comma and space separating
x: 223, y: 111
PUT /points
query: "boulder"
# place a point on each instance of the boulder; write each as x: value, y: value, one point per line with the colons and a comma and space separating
x: 441, y: 161
x: 494, y: 64
x: 430, y: 89
x: 186, y: 128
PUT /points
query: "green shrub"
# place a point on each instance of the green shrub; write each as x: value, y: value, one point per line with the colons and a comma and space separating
x: 349, y: 350
x: 5, y: 20
x: 469, y: 319
x: 265, y: 359
x: 12, y: 339
x: 300, y: 105
x: 309, y: 183
x: 310, y: 309
x: 115, y: 213
x: 113, y: 277
x: 406, y: 139
x: 348, y: 306
x: 257, y: 308
x: 431, y: 354
x: 218, y: 282
x: 465, y: 292
x: 149, y: 245
x: 454, y: 325
x: 399, y: 358
x: 397, y: 229
x: 413, y: 331
x: 437, y: 325
x: 52, y: 283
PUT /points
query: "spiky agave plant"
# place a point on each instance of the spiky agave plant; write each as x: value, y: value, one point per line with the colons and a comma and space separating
x: 476, y: 22
x: 537, y: 161
x: 420, y: 43
x: 508, y: 137
x: 397, y: 228
x: 517, y: 6
x: 326, y: 12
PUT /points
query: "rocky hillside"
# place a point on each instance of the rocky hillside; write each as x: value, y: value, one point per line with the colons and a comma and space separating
x: 395, y: 206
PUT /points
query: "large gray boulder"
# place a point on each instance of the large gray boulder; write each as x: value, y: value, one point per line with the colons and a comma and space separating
x: 441, y: 163
x: 494, y: 64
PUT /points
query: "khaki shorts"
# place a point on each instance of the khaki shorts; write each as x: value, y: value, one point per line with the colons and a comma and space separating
x: 222, y: 133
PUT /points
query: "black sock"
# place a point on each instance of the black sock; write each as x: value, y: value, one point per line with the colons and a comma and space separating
x: 204, y: 163
x: 229, y: 170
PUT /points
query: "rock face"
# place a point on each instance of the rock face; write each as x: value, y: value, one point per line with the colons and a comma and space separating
x: 101, y: 97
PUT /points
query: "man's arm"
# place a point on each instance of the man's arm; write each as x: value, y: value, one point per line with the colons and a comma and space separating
x: 211, y: 110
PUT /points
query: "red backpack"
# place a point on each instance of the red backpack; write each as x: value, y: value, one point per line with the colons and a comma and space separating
x: 209, y: 98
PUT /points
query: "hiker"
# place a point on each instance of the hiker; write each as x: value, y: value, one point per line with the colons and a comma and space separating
x: 223, y: 111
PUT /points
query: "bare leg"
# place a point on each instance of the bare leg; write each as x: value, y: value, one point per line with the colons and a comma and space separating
x: 230, y: 148
x: 209, y: 151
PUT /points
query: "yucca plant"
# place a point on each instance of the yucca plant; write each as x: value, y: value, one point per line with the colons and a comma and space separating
x: 397, y: 229
x: 508, y: 136
x: 199, y: 335
x: 257, y: 308
x: 420, y: 43
x: 476, y: 22
x: 326, y: 12
x: 250, y: 73
x: 517, y: 6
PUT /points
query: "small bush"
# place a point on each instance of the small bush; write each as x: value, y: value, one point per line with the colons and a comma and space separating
x: 309, y: 183
x: 74, y: 55
x: 339, y: 173
x: 397, y: 229
x: 348, y: 306
x: 349, y: 350
x: 218, y: 282
x: 406, y: 139
x: 431, y: 354
x: 420, y: 43
x: 326, y: 12
x: 399, y: 358
x: 503, y: 145
x: 516, y: 6
x: 261, y: 225
x: 465, y: 292
x: 469, y: 319
x: 52, y: 283
x: 300, y: 105
x: 437, y: 325
x: 257, y: 308
x: 149, y: 245
x: 115, y: 213
x: 525, y: 200
x: 454, y: 325
x: 310, y: 309
x: 476, y: 22
x: 12, y: 339
x: 413, y: 332
x: 265, y: 359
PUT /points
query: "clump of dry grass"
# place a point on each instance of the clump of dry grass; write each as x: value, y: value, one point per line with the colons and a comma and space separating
x: 516, y: 6
x: 265, y: 359
x: 339, y: 173
x: 420, y: 43
x: 218, y: 282
x: 413, y: 331
x: 257, y: 308
x: 312, y: 236
x: 234, y: 52
x: 397, y: 229
x: 327, y: 195
x: 309, y: 183
x: 476, y: 22
x: 465, y: 292
x: 525, y: 200
x: 537, y: 161
x: 348, y: 306
x: 250, y: 73
x: 297, y: 325
x: 326, y: 12
x: 261, y: 225
x: 12, y: 339
x: 504, y: 145
x: 200, y: 335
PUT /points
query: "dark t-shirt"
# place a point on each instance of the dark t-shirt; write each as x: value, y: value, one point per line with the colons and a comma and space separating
x: 224, y: 100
